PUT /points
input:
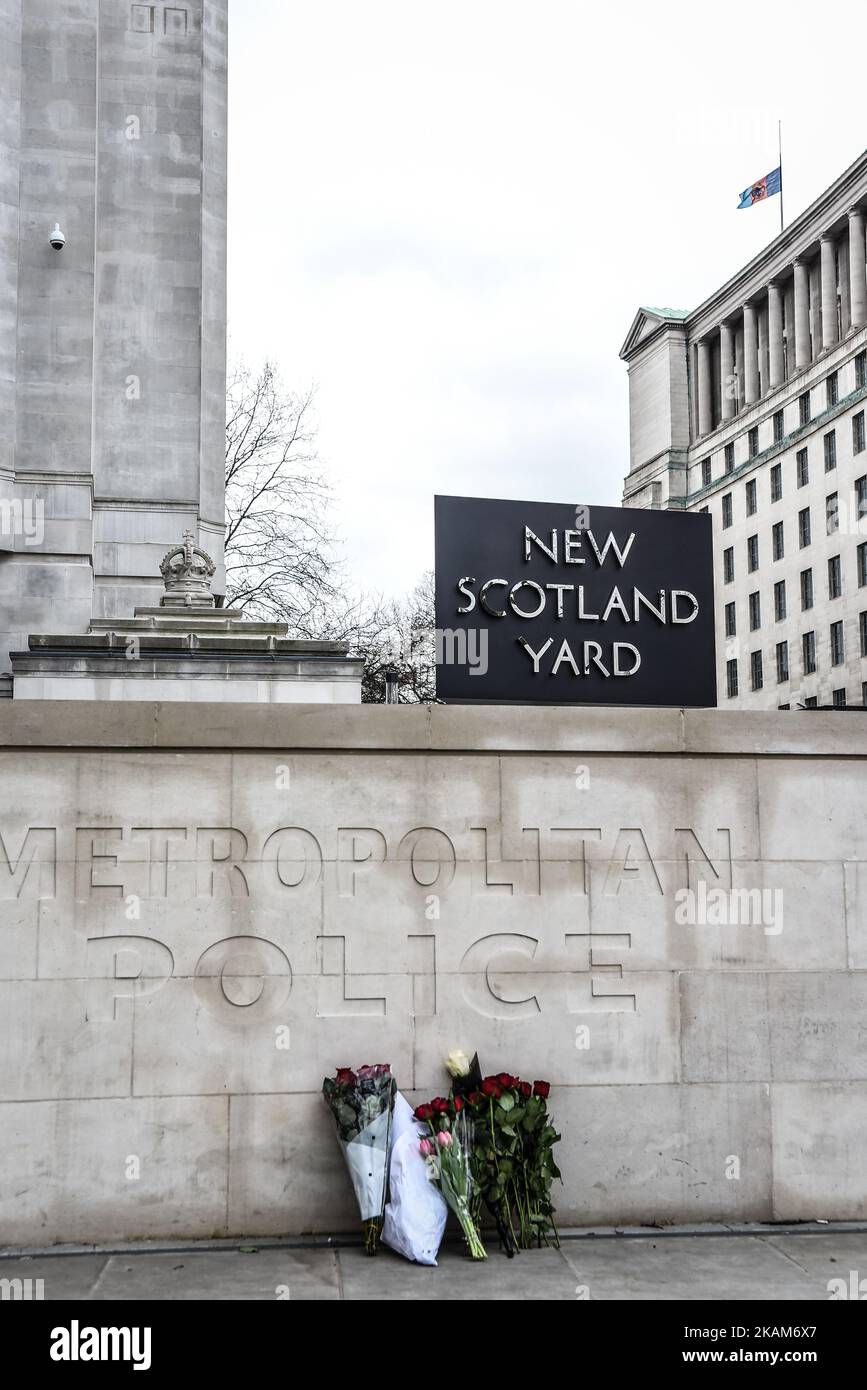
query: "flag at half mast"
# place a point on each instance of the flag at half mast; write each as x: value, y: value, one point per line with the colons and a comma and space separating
x: 763, y: 188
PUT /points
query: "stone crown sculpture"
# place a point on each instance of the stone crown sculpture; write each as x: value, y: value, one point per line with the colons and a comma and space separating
x: 187, y: 571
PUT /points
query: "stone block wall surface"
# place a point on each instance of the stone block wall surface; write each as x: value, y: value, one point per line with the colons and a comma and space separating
x: 205, y: 910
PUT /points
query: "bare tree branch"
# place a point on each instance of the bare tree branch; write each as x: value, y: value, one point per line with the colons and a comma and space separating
x: 281, y: 552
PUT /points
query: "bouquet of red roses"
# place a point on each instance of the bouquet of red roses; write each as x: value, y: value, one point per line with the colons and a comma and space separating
x: 362, y: 1105
x: 512, y: 1162
x: 446, y: 1152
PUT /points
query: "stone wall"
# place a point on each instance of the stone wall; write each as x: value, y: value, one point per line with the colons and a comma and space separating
x: 205, y: 910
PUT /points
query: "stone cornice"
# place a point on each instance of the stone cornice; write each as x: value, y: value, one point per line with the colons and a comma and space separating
x: 125, y: 724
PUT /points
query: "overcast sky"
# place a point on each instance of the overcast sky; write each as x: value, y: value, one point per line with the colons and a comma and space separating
x: 446, y: 216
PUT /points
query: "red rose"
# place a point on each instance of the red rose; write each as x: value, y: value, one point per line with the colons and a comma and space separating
x: 474, y: 1098
x: 526, y: 1089
x: 491, y: 1088
x: 514, y: 1082
x: 346, y: 1076
x: 542, y: 1088
x: 423, y: 1112
x: 458, y: 1104
x: 440, y: 1105
x: 504, y: 1079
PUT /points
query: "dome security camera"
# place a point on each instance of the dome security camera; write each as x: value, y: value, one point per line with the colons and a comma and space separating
x: 57, y: 239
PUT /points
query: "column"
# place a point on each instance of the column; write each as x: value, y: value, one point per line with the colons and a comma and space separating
x: 751, y: 355
x: 802, y: 316
x: 829, y: 294
x: 727, y: 371
x: 705, y: 412
x: 857, y: 269
x: 775, y: 333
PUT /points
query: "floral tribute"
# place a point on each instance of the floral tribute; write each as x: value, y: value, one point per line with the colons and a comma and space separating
x: 512, y: 1160
x: 362, y: 1103
x: 446, y: 1150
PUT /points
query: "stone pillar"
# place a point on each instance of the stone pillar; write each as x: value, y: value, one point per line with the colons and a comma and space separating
x: 802, y: 316
x: 829, y: 294
x: 751, y: 355
x: 857, y: 270
x: 727, y: 371
x: 775, y: 334
x: 705, y: 410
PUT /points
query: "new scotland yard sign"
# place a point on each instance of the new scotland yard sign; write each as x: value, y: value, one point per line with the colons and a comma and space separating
x: 551, y: 603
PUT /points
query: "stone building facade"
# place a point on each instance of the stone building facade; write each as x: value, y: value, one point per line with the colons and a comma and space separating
x: 752, y: 407
x: 113, y: 349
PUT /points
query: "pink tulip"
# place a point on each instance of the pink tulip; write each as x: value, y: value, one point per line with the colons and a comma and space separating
x: 426, y: 1147
x: 444, y: 1139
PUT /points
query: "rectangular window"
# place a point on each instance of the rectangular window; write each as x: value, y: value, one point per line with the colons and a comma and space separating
x: 831, y: 390
x: 727, y: 511
x: 858, y: 433
x: 780, y: 600
x: 751, y: 497
x: 728, y: 565
x: 705, y: 472
x: 860, y: 370
x: 752, y: 553
x: 839, y: 698
x: 778, y: 426
x: 835, y: 577
x: 731, y: 620
x: 809, y: 648
x: 830, y: 445
x: 811, y: 702
x: 803, y: 468
x: 755, y: 611
x: 730, y: 458
x: 806, y: 590
x: 862, y: 625
x: 754, y: 441
x: 776, y: 482
x: 804, y: 408
x: 862, y: 564
x: 837, y: 643
x: 832, y: 514
x: 861, y: 498
x: 804, y: 527
x: 756, y: 680
x: 732, y: 678
x: 782, y: 662
x: 777, y: 538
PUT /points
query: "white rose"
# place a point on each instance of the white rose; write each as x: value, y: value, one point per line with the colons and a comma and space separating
x: 458, y: 1063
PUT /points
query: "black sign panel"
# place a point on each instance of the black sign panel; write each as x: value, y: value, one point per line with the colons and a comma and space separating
x: 553, y: 603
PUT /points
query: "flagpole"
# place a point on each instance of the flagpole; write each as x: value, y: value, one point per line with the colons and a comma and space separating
x: 780, y: 153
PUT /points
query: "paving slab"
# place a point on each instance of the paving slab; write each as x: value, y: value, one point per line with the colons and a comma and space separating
x: 296, y: 1275
x: 542, y: 1275
x: 63, y: 1276
x: 824, y: 1257
x: 686, y: 1268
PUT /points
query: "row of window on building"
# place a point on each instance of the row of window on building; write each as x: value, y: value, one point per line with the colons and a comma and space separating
x: 805, y: 531
x: 802, y: 469
x: 808, y: 657
x: 832, y: 395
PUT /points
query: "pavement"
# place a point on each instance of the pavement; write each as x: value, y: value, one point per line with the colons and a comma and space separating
x: 686, y: 1263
